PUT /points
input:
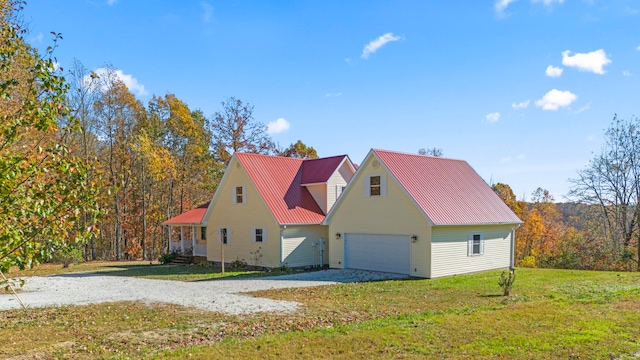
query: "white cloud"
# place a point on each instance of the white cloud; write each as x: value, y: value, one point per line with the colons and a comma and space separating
x: 278, y: 126
x: 548, y: 2
x: 333, y: 95
x: 132, y: 83
x: 501, y: 5
x: 555, y: 99
x: 593, y: 61
x: 111, y: 2
x: 521, y: 105
x: 591, y: 137
x: 626, y: 73
x: 207, y: 11
x: 505, y: 159
x: 376, y: 44
x: 553, y: 71
x: 493, y: 117
x: 638, y: 48
x: 584, y: 108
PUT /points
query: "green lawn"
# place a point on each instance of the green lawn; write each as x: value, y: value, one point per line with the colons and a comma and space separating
x: 551, y: 314
x: 143, y: 269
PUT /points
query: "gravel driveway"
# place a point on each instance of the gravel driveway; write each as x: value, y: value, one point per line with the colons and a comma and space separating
x: 214, y: 295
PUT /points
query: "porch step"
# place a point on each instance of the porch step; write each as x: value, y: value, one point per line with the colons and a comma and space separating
x: 182, y: 260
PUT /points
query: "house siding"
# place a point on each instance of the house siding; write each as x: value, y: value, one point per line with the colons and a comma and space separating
x: 339, y: 178
x: 241, y: 220
x: 319, y: 193
x: 392, y: 214
x: 296, y: 245
x: 450, y: 249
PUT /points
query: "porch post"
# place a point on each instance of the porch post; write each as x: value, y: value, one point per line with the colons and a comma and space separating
x: 182, y: 239
x: 170, y: 239
x: 193, y: 240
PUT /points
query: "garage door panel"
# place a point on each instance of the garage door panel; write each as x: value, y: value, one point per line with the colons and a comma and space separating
x: 389, y: 253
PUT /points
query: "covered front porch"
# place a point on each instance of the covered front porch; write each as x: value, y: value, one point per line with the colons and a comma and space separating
x: 187, y: 233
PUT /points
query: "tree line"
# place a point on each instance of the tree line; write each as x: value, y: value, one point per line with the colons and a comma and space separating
x: 600, y: 228
x: 84, y: 164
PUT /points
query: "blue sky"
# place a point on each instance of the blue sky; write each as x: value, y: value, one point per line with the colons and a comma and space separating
x: 521, y: 89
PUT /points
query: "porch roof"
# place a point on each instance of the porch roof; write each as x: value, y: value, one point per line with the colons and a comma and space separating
x: 189, y: 218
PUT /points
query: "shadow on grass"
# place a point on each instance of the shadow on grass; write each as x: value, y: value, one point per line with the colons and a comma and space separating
x: 166, y: 272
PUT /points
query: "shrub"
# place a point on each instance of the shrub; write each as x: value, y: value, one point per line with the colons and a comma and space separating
x: 507, y: 282
x: 67, y: 255
x: 238, y: 264
x: 168, y: 257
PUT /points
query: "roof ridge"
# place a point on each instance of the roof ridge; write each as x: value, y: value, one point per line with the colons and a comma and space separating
x: 417, y: 155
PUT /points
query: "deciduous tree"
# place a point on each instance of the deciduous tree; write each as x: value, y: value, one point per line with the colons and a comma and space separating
x: 44, y: 188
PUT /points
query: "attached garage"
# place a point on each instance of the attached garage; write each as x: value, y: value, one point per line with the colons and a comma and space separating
x: 388, y: 253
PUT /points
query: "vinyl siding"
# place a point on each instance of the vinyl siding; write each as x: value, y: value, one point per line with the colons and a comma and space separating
x: 240, y: 220
x: 319, y: 193
x: 296, y: 245
x: 339, y: 178
x: 450, y: 250
x: 393, y: 214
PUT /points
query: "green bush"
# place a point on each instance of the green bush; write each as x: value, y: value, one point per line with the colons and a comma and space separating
x: 238, y: 264
x: 167, y: 258
x: 67, y: 256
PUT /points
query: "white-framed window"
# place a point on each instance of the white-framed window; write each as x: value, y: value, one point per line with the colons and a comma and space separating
x: 203, y: 233
x: 340, y: 190
x: 239, y: 195
x: 475, y: 245
x: 259, y: 235
x: 375, y: 185
x: 224, y: 235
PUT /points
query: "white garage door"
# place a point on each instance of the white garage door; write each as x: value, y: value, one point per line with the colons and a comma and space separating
x: 389, y: 253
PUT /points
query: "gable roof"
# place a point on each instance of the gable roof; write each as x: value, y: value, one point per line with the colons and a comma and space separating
x: 448, y: 191
x: 278, y: 180
x: 191, y: 217
x: 320, y: 170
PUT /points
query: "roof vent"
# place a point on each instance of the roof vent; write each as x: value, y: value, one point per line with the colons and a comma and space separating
x: 375, y: 163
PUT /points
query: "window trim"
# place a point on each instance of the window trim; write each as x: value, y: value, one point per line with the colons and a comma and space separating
x: 471, y: 244
x: 255, y: 235
x: 243, y: 194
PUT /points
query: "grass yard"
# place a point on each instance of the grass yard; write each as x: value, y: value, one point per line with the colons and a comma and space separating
x: 143, y: 269
x: 551, y: 314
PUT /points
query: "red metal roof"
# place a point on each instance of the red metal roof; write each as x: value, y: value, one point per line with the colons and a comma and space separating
x: 320, y: 170
x: 449, y: 191
x: 278, y: 180
x: 191, y: 217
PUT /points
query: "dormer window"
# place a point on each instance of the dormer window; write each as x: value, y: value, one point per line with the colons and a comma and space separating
x: 239, y: 195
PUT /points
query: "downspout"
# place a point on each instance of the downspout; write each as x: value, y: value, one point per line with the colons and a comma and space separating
x: 513, y: 240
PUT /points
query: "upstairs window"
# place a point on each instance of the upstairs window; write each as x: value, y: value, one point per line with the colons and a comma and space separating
x: 238, y: 195
x: 375, y: 185
x: 340, y: 190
